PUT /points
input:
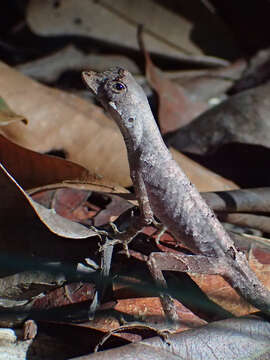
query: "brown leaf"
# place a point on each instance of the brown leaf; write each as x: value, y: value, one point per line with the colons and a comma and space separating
x: 71, y: 204
x: 218, y: 290
x: 175, y: 108
x: 66, y: 295
x: 34, y: 169
x: 151, y: 310
x: 115, y: 208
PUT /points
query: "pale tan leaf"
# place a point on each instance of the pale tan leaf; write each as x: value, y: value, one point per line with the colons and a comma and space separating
x: 116, y: 22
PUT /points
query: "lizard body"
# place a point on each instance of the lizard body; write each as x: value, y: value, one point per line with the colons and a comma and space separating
x: 164, y: 190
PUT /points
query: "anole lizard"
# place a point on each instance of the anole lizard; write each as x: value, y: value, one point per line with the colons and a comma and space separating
x: 163, y: 189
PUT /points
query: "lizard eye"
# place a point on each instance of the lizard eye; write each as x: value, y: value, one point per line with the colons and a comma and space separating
x: 118, y: 87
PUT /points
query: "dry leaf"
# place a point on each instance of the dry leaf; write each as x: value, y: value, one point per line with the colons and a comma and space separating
x: 36, y: 227
x: 210, y: 85
x: 49, y: 68
x: 231, y: 339
x: 57, y: 224
x: 30, y: 235
x: 116, y: 22
x: 175, y: 107
x: 243, y: 118
x: 150, y: 309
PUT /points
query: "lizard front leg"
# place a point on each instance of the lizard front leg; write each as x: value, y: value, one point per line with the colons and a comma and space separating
x: 137, y: 223
x: 146, y: 213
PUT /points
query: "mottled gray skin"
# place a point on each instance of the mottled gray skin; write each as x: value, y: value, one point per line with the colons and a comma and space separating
x: 163, y: 189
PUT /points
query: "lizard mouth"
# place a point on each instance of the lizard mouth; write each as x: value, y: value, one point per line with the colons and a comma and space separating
x: 92, y: 80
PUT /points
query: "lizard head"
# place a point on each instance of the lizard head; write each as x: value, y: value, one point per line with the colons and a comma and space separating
x: 122, y: 97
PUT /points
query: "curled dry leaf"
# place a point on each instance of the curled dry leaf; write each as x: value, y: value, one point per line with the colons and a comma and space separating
x: 57, y: 224
x: 36, y: 222
x: 34, y: 169
x: 243, y: 118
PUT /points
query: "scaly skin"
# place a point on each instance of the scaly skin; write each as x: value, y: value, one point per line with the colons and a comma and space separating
x: 163, y: 189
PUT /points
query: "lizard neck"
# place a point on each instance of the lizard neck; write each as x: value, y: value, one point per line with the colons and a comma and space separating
x: 152, y: 147
x: 149, y: 147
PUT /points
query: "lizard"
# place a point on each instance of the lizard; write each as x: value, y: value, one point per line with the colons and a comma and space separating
x: 162, y: 189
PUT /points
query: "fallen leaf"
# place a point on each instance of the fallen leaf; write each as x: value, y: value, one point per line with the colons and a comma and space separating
x: 243, y: 118
x: 34, y: 169
x: 210, y: 85
x: 57, y: 224
x: 218, y: 290
x: 150, y: 310
x: 32, y: 236
x: 213, y: 341
x: 167, y: 33
x: 71, y: 204
x: 175, y: 107
x: 50, y: 68
x: 55, y: 234
x: 115, y: 208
